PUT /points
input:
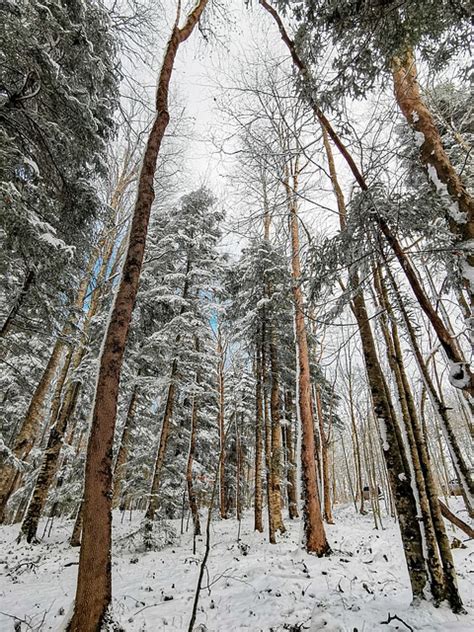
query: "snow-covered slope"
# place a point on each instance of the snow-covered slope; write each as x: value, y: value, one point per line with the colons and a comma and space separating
x: 250, y: 585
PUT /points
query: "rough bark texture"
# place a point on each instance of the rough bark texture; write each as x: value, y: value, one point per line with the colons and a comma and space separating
x: 459, y: 462
x: 77, y: 529
x: 393, y: 450
x: 439, y: 558
x: 392, y: 444
x: 49, y: 466
x: 450, y: 589
x: 94, y: 585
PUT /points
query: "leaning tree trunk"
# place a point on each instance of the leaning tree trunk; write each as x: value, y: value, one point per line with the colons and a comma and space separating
x: 392, y: 442
x: 29, y: 429
x: 94, y: 584
x: 461, y: 375
x: 49, y: 467
x: 460, y: 466
x: 62, y: 415
x: 316, y: 541
x: 396, y: 367
x: 32, y: 421
x: 438, y: 167
x: 440, y: 560
x: 27, y: 435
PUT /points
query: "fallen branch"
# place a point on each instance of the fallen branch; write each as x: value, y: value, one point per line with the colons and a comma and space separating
x: 460, y: 524
x: 396, y: 618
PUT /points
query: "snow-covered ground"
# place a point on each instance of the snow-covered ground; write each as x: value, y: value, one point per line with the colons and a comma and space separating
x: 250, y: 585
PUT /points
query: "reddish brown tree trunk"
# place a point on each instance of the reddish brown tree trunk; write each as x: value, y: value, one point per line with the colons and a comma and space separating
x: 437, y: 164
x: 94, y: 586
x: 316, y: 541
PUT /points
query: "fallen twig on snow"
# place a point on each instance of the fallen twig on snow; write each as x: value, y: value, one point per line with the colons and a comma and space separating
x: 394, y: 617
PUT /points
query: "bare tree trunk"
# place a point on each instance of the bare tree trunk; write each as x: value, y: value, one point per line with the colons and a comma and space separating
x: 160, y: 458
x: 440, y: 409
x: 221, y: 426
x: 267, y: 439
x: 29, y: 278
x: 439, y: 557
x: 77, y: 529
x: 349, y: 477
x: 460, y: 524
x: 276, y: 438
x: 122, y: 454
x: 258, y: 502
x: 93, y: 593
x: 392, y: 442
x: 356, y: 448
x: 449, y: 583
x: 63, y: 416
x: 189, y: 470
x: 316, y: 541
x: 49, y: 467
x: 292, y: 486
x: 27, y: 435
x: 327, y: 509
x: 193, y: 505
x: 238, y: 472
